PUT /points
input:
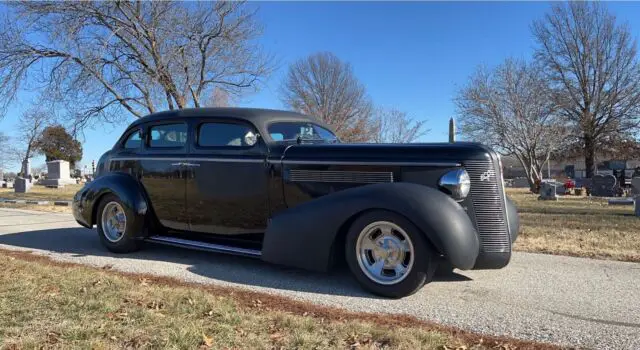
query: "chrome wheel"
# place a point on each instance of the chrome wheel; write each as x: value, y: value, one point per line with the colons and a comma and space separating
x: 114, y: 221
x: 385, y: 252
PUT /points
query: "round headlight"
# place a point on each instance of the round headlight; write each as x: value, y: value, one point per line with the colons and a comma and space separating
x: 456, y: 183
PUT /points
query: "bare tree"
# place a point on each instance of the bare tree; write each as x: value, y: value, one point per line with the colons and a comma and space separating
x: 592, y: 64
x: 4, y: 145
x: 220, y: 98
x: 511, y: 109
x: 325, y: 87
x: 396, y: 126
x: 102, y: 58
x: 30, y: 126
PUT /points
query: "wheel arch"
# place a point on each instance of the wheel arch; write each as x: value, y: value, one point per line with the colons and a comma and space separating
x: 308, y: 235
x: 125, y: 187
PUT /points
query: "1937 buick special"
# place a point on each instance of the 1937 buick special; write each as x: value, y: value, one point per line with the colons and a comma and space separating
x: 279, y: 186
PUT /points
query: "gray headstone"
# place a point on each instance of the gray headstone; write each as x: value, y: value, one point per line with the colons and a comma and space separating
x: 22, y: 185
x: 636, y: 205
x: 58, y: 174
x: 603, y: 185
x: 635, y: 186
x: 548, y: 191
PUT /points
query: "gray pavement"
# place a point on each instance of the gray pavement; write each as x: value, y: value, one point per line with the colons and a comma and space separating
x: 564, y: 300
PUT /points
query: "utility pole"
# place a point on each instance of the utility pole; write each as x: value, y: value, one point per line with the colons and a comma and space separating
x: 452, y: 130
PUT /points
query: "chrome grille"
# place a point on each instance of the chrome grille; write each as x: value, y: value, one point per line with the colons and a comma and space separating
x: 340, y: 176
x: 488, y: 204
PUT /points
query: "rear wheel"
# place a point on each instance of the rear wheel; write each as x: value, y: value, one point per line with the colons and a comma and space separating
x: 118, y: 227
x: 388, y: 255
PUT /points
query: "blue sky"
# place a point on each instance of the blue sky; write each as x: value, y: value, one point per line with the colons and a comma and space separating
x: 410, y: 55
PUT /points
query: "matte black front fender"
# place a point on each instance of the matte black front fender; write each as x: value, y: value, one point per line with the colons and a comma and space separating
x: 303, y: 236
x: 86, y: 201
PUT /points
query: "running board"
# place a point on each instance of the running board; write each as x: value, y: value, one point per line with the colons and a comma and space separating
x: 210, y: 247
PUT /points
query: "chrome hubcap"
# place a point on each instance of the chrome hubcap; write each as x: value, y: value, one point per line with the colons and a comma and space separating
x: 385, y: 252
x: 114, y: 221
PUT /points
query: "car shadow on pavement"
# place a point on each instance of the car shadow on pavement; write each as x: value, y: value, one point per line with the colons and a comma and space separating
x: 84, y: 244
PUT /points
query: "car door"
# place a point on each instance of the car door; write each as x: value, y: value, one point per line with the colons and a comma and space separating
x: 227, y: 181
x: 162, y: 171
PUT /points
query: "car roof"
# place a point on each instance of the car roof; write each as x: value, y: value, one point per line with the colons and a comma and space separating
x: 257, y: 116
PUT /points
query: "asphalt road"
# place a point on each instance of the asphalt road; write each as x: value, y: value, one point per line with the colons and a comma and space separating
x: 564, y: 300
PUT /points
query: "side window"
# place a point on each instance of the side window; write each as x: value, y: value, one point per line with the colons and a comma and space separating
x: 168, y: 135
x: 133, y: 141
x: 225, y: 134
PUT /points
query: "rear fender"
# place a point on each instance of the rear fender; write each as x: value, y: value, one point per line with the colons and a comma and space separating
x: 87, y: 200
x: 303, y: 236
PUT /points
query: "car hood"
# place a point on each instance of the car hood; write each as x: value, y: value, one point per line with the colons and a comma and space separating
x: 412, y: 152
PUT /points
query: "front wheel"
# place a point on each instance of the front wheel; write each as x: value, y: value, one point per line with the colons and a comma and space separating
x: 388, y: 254
x: 118, y: 226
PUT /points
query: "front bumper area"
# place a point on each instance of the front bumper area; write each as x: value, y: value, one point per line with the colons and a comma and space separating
x: 81, y: 212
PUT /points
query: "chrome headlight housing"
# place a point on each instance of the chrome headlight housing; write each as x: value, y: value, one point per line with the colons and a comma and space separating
x: 456, y: 183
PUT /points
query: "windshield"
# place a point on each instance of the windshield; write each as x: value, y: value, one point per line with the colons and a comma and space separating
x: 290, y: 131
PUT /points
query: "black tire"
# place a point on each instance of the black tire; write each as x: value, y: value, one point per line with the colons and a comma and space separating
x: 444, y: 269
x: 127, y: 243
x: 424, y: 263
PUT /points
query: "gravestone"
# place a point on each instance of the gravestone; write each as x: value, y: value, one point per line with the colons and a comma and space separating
x: 603, y: 185
x: 548, y: 191
x: 636, y: 205
x: 7, y: 184
x: 635, y: 186
x: 22, y: 185
x: 58, y: 174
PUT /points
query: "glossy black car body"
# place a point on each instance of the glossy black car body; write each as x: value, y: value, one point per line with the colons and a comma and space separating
x: 292, y: 203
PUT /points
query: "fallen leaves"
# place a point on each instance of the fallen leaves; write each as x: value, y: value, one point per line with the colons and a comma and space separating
x: 206, y: 341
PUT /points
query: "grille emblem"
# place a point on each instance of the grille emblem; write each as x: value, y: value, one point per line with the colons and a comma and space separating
x: 486, y: 176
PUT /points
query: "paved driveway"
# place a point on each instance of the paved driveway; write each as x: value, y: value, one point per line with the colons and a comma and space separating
x: 564, y: 300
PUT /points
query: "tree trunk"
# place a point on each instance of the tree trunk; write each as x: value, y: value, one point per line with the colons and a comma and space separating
x: 589, y: 155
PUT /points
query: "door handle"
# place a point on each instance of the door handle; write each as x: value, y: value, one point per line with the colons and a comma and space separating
x: 177, y: 164
x: 191, y: 164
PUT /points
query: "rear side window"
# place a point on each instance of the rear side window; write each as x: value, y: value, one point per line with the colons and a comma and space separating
x: 133, y: 141
x: 225, y: 135
x: 168, y: 135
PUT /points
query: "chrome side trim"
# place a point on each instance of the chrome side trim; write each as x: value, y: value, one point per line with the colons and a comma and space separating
x: 186, y: 243
x: 365, y: 177
x: 340, y: 162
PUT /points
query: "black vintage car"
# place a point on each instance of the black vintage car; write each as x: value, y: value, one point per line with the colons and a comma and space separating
x: 279, y: 186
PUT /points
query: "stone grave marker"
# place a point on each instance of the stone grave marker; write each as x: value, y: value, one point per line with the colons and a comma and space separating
x: 22, y: 185
x: 58, y: 174
x: 636, y: 205
x: 603, y: 185
x: 548, y: 191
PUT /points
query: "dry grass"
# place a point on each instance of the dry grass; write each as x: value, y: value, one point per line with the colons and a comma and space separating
x: 43, y: 193
x: 47, y: 304
x: 577, y: 226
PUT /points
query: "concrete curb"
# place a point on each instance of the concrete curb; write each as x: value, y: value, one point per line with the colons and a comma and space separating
x: 35, y: 202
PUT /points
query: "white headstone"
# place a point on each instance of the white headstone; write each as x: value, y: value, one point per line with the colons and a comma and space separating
x: 58, y: 174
